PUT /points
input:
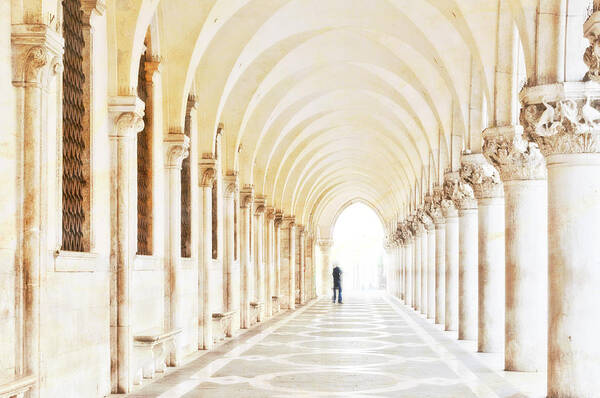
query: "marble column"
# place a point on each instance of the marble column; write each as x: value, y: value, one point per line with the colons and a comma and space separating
x: 326, y: 281
x: 437, y: 250
x: 229, y: 271
x: 487, y: 187
x: 37, y: 55
x: 571, y: 146
x: 260, y: 263
x: 270, y: 252
x: 207, y: 174
x: 523, y: 172
x: 302, y: 266
x: 408, y: 240
x: 431, y: 271
x: 424, y: 268
x: 292, y: 265
x: 467, y: 263
x: 246, y: 204
x: 176, y: 149
x: 127, y: 117
x: 417, y: 247
x: 277, y: 259
x: 450, y: 192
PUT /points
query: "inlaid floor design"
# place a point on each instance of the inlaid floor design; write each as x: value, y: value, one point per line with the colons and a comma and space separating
x: 370, y: 346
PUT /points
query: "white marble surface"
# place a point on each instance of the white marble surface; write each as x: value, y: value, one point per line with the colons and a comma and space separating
x: 370, y: 346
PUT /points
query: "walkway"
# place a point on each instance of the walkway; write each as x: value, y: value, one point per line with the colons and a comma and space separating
x: 370, y: 346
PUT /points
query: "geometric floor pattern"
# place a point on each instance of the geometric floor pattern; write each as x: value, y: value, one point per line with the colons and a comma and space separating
x: 370, y: 346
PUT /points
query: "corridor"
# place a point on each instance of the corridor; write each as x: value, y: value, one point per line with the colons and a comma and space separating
x: 370, y: 346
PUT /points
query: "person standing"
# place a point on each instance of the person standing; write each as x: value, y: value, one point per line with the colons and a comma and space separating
x: 337, y: 283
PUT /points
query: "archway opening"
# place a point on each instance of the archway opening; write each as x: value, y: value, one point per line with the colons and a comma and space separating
x: 358, y: 248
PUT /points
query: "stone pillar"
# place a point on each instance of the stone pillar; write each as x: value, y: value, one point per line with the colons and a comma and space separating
x: 176, y: 149
x: 302, y: 266
x: 37, y: 60
x: 570, y: 143
x: 277, y: 226
x: 431, y: 271
x: 523, y: 172
x: 260, y: 262
x: 437, y: 256
x: 207, y: 173
x: 229, y: 194
x: 467, y: 263
x: 485, y: 180
x: 270, y: 224
x: 417, y: 246
x: 292, y: 265
x: 407, y: 238
x: 450, y: 193
x: 424, y: 266
x: 127, y: 117
x: 326, y: 281
x: 246, y: 203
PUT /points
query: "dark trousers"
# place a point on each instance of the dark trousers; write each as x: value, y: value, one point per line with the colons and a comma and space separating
x: 337, y: 288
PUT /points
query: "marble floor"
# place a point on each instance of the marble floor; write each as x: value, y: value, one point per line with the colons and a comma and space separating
x: 370, y: 346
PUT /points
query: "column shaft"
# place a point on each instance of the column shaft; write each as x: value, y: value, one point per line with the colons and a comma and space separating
x: 424, y: 271
x: 440, y: 272
x: 452, y: 259
x: 467, y: 279
x: 417, y: 271
x: 431, y: 271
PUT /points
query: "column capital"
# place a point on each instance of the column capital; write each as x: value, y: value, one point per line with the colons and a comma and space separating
x: 231, y: 184
x: 207, y: 171
x: 270, y: 213
x: 325, y: 244
x: 476, y: 171
x: 247, y: 196
x: 424, y: 219
x: 259, y: 204
x: 291, y: 220
x: 591, y: 57
x: 514, y: 157
x: 450, y: 193
x: 127, y: 115
x: 406, y: 234
x: 433, y: 204
x: 278, y: 218
x: 37, y: 54
x: 458, y: 191
x: 176, y: 149
x: 562, y: 118
x: 152, y: 69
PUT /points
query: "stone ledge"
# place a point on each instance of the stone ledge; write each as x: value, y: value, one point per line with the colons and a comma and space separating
x: 17, y: 387
x: 67, y: 261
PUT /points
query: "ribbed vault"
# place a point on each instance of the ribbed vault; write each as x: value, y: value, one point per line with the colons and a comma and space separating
x: 327, y: 103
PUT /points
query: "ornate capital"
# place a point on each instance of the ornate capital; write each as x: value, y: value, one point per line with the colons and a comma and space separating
x: 291, y: 220
x: 476, y: 171
x: 176, y: 149
x: 591, y: 57
x: 36, y: 54
x: 325, y: 244
x: 405, y: 232
x: 270, y: 213
x: 247, y: 196
x: 278, y: 218
x: 424, y: 219
x: 450, y: 194
x: 207, y: 172
x: 513, y: 157
x: 127, y: 115
x: 562, y: 118
x: 259, y: 202
x: 231, y: 184
x: 433, y: 204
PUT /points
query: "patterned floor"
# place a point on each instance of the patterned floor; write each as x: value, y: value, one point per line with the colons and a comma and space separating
x: 370, y: 346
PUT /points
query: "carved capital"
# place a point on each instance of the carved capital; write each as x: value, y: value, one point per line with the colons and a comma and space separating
x: 591, y: 56
x: 405, y: 232
x: 127, y: 115
x: 562, y: 118
x: 450, y: 194
x: 433, y: 205
x: 278, y: 218
x: 325, y: 245
x: 424, y: 219
x: 36, y: 54
x: 259, y: 203
x: 290, y: 220
x: 270, y: 213
x: 513, y: 157
x: 231, y: 184
x: 476, y: 171
x: 247, y: 196
x: 176, y: 149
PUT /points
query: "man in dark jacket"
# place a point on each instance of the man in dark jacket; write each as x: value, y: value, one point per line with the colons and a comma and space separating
x: 337, y: 283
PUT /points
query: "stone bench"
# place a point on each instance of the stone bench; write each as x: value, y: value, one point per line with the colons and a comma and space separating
x: 222, y: 325
x: 17, y: 388
x: 255, y: 311
x: 151, y: 348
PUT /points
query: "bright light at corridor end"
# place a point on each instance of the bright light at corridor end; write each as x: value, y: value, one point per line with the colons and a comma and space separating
x: 358, y: 248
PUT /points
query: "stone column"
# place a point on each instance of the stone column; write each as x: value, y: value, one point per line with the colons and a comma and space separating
x: 424, y: 266
x: 523, y: 172
x: 207, y: 173
x: 570, y: 143
x: 451, y: 192
x: 427, y: 259
x: 437, y: 250
x: 292, y: 265
x: 418, y: 230
x: 260, y: 247
x: 127, y: 120
x: 467, y: 263
x: 246, y: 203
x: 302, y: 265
x: 176, y: 149
x: 37, y: 60
x: 270, y: 221
x: 326, y: 281
x: 277, y: 229
x: 431, y: 271
x: 407, y: 238
x: 231, y: 188
x: 485, y: 180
